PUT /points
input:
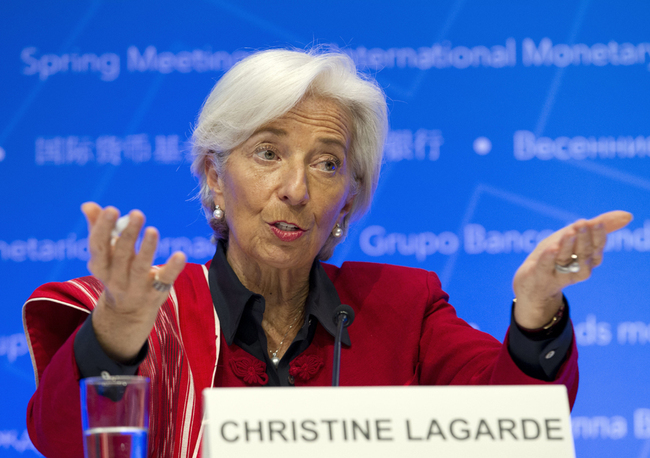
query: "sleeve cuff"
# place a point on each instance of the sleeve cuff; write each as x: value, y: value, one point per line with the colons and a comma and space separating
x: 93, y: 361
x: 538, y: 356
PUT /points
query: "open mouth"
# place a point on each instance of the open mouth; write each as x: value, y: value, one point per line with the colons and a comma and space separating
x: 286, y: 226
x: 286, y: 232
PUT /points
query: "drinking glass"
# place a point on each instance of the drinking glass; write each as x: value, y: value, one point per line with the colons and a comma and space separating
x: 115, y: 416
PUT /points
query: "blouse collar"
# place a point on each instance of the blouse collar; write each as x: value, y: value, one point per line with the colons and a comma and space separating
x: 230, y: 296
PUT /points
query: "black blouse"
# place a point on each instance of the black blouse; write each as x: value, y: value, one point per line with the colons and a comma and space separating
x: 240, y: 313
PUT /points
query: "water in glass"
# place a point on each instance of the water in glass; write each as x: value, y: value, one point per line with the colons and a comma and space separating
x: 117, y: 442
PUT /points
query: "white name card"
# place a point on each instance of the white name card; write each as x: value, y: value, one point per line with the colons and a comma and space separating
x: 441, y: 422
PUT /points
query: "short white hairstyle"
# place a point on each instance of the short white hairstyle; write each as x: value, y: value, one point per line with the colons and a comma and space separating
x: 268, y: 84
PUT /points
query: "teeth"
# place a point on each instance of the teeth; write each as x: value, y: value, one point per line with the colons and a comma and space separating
x: 286, y: 227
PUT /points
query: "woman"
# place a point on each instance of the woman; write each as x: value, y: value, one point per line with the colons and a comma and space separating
x: 288, y: 150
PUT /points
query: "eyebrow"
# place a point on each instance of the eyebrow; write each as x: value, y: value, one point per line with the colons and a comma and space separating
x: 282, y: 133
x: 333, y: 141
x: 272, y: 130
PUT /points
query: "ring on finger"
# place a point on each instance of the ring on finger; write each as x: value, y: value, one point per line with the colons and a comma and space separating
x: 160, y: 286
x: 571, y: 268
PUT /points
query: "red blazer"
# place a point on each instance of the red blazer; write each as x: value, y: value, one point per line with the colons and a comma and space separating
x: 404, y: 333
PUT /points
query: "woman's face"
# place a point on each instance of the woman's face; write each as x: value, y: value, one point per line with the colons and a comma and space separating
x: 285, y: 188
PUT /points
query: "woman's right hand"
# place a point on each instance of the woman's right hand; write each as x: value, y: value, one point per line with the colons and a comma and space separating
x: 126, y: 311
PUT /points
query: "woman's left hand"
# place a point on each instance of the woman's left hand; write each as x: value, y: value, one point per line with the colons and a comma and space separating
x: 538, y: 284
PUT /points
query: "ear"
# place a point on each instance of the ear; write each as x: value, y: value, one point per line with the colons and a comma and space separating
x: 214, y: 180
x: 346, y: 208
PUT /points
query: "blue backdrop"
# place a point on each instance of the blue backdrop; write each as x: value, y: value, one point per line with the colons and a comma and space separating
x: 508, y: 120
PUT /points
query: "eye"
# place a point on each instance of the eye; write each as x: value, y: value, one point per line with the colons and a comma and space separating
x: 266, y: 154
x: 329, y: 165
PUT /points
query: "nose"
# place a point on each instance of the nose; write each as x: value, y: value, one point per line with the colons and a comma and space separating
x: 294, y: 188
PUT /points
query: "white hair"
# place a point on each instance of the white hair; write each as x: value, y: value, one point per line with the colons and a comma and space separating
x: 265, y: 86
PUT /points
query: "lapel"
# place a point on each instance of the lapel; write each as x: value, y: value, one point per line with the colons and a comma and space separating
x: 199, y: 324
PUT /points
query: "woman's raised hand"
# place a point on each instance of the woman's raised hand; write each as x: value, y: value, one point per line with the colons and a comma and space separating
x: 127, y: 309
x: 538, y: 283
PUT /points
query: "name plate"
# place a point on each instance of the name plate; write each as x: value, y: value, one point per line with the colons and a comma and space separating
x: 441, y: 422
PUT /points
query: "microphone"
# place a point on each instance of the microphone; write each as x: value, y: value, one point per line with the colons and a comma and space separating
x: 343, y: 317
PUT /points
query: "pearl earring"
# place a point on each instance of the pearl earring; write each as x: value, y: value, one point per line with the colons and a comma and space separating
x: 218, y: 213
x: 338, y: 231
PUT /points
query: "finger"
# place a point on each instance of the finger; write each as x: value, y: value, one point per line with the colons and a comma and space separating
x: 556, y: 239
x: 612, y: 221
x: 548, y: 258
x: 91, y: 211
x: 584, y: 250
x: 566, y: 250
x: 124, y: 250
x: 142, y: 262
x: 172, y: 268
x: 599, y: 239
x: 99, y: 243
x: 566, y: 246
